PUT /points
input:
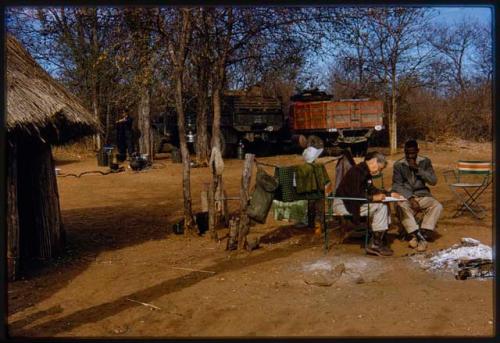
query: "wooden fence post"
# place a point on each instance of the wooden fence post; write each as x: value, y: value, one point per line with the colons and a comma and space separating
x: 244, y: 198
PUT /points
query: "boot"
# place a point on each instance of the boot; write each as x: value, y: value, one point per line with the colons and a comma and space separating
x: 422, y: 243
x: 377, y: 246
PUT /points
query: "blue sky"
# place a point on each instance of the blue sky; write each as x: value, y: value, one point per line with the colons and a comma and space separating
x: 451, y: 14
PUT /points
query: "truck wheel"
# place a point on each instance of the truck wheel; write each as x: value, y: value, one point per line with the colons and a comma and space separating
x: 359, y: 149
x: 315, y: 141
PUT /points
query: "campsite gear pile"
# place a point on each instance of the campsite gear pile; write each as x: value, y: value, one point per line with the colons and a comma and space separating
x: 469, y: 259
x: 301, y: 182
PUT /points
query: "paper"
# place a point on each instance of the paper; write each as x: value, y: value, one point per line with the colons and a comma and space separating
x: 390, y: 199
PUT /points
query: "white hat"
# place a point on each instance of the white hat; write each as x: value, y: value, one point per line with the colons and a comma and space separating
x: 310, y: 154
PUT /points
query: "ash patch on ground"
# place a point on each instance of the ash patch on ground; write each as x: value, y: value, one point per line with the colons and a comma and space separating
x: 344, y: 269
x: 447, y: 260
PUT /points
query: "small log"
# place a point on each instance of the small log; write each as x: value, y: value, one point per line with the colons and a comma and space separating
x: 244, y: 198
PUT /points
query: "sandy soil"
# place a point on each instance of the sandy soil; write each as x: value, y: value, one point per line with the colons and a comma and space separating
x: 121, y: 251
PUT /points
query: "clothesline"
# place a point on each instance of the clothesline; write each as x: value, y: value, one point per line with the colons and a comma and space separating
x: 277, y: 166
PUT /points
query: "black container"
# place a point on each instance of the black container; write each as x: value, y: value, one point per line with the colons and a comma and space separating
x: 202, y: 222
x: 102, y: 158
x: 176, y: 156
x: 178, y: 227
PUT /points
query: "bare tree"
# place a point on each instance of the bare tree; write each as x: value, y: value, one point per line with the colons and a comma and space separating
x: 454, y: 42
x: 177, y: 34
x: 397, y: 48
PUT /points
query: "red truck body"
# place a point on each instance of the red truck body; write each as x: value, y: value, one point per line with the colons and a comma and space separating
x: 330, y: 116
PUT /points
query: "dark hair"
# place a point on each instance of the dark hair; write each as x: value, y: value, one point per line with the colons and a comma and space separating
x: 411, y: 143
x: 379, y: 156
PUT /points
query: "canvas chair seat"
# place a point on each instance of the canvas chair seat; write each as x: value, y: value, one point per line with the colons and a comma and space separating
x: 468, y: 181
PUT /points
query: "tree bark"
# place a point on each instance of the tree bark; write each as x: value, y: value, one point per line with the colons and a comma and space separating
x: 13, y: 255
x: 393, y: 128
x: 178, y: 56
x: 145, y: 144
x: 244, y: 226
x: 202, y: 144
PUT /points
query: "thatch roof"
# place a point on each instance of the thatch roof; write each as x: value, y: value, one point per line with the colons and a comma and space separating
x: 37, y: 105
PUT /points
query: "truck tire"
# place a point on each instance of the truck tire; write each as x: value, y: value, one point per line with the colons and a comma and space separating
x: 359, y: 149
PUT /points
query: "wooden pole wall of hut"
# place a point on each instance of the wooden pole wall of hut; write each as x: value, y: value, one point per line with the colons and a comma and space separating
x: 13, y: 254
x: 41, y: 231
x: 49, y: 225
x: 244, y: 198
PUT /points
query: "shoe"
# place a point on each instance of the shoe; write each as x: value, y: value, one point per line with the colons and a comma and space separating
x: 428, y: 235
x: 376, y: 245
x: 422, y: 246
x: 413, y: 243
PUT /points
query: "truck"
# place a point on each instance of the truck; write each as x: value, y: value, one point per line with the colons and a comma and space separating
x: 315, y: 117
x: 248, y: 118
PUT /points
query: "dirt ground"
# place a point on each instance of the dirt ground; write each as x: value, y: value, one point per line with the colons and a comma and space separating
x: 121, y: 251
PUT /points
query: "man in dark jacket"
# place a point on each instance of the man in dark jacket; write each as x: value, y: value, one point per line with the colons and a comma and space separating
x: 410, y: 176
x: 358, y: 183
x: 124, y: 135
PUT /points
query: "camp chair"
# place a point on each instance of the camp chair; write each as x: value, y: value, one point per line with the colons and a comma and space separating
x: 467, y: 182
x: 363, y: 228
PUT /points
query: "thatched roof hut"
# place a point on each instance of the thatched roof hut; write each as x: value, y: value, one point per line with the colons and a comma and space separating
x: 40, y: 112
x: 37, y: 105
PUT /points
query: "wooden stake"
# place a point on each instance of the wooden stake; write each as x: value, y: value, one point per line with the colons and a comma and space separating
x: 244, y: 226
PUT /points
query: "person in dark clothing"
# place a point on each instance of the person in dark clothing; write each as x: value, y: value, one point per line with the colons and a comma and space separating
x: 411, y: 175
x: 124, y: 135
x: 358, y: 183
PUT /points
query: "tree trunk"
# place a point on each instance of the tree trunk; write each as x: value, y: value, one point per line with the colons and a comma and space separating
x: 202, y: 144
x: 393, y: 128
x: 97, y: 136
x: 145, y: 143
x: 108, y: 122
x: 13, y: 254
x: 216, y: 117
x: 189, y: 223
x: 244, y: 226
x: 95, y: 52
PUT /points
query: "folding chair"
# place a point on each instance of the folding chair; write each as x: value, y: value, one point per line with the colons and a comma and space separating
x: 341, y: 219
x: 467, y: 182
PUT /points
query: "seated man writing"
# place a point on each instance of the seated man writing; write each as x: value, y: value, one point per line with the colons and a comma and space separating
x: 410, y: 176
x: 358, y: 183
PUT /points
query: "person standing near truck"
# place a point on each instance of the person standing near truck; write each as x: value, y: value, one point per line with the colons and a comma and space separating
x: 124, y: 136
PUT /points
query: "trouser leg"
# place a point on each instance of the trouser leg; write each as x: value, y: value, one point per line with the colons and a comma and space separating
x: 407, y: 216
x: 378, y: 216
x: 432, y: 211
x: 315, y: 212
